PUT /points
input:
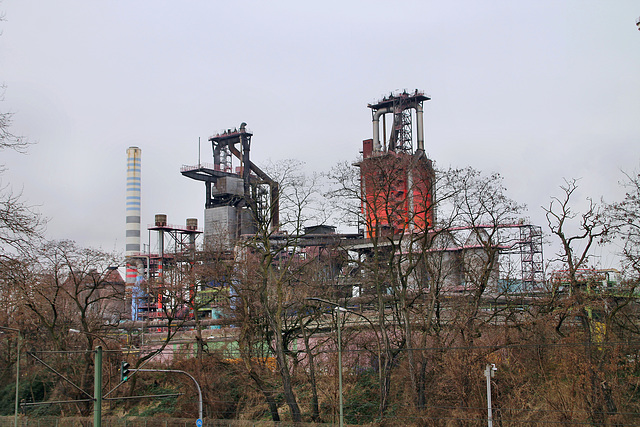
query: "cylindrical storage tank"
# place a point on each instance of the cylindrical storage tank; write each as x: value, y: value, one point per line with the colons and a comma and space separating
x: 192, y: 224
x: 161, y: 220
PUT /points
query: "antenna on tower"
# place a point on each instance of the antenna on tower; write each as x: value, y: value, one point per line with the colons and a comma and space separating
x: 198, y: 151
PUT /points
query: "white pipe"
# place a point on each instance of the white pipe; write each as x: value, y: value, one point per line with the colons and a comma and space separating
x: 376, y: 128
x: 420, y: 127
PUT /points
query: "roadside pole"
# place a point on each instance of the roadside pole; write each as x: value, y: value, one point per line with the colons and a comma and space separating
x: 18, y: 348
x: 97, y: 388
x: 488, y: 372
x: 15, y: 412
x: 339, y: 310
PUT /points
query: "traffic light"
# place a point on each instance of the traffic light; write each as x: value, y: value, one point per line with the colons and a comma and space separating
x: 124, y: 371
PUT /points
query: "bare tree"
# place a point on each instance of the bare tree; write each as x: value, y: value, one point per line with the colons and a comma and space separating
x: 413, y: 257
x: 7, y: 138
x: 626, y: 223
x: 577, y: 234
x: 73, y: 295
x: 576, y: 240
x: 207, y: 291
x: 20, y: 225
x: 483, y: 208
x: 270, y: 267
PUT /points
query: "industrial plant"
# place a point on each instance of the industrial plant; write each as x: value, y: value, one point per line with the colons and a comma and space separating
x: 398, y: 207
x: 400, y: 278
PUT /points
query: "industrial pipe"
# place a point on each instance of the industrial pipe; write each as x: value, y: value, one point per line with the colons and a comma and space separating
x: 420, y: 126
x: 376, y: 127
x: 273, y: 185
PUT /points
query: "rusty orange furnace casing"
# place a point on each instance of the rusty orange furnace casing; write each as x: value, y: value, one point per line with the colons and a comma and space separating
x: 398, y: 191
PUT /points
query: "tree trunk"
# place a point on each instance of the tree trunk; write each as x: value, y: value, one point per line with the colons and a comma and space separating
x: 289, y: 395
x: 315, y: 407
x: 199, y: 340
x: 268, y: 395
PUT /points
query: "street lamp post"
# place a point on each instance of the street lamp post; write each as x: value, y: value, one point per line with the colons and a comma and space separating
x: 346, y: 310
x: 180, y: 372
x: 340, y: 310
x: 18, y: 348
x: 489, y: 371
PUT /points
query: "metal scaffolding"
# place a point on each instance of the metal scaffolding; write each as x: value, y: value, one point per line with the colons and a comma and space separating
x: 531, y: 255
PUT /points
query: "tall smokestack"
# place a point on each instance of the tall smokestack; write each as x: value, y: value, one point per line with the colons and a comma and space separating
x: 132, y: 248
x: 133, y: 201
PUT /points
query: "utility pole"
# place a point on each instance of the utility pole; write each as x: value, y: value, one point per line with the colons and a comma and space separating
x: 339, y: 310
x: 18, y: 348
x: 373, y: 328
x: 97, y: 388
x: 15, y: 411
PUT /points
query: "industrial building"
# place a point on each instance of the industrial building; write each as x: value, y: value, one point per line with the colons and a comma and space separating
x: 236, y: 190
x: 398, y: 189
x: 397, y: 181
x: 152, y: 277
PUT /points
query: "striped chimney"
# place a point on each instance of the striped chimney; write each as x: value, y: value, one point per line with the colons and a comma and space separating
x: 133, y: 217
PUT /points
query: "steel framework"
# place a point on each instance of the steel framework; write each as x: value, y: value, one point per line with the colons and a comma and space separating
x: 531, y: 255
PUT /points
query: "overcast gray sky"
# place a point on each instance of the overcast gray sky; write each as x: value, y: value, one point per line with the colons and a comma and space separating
x: 535, y: 90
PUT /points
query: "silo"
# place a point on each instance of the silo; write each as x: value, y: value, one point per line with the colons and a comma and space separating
x: 192, y: 225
